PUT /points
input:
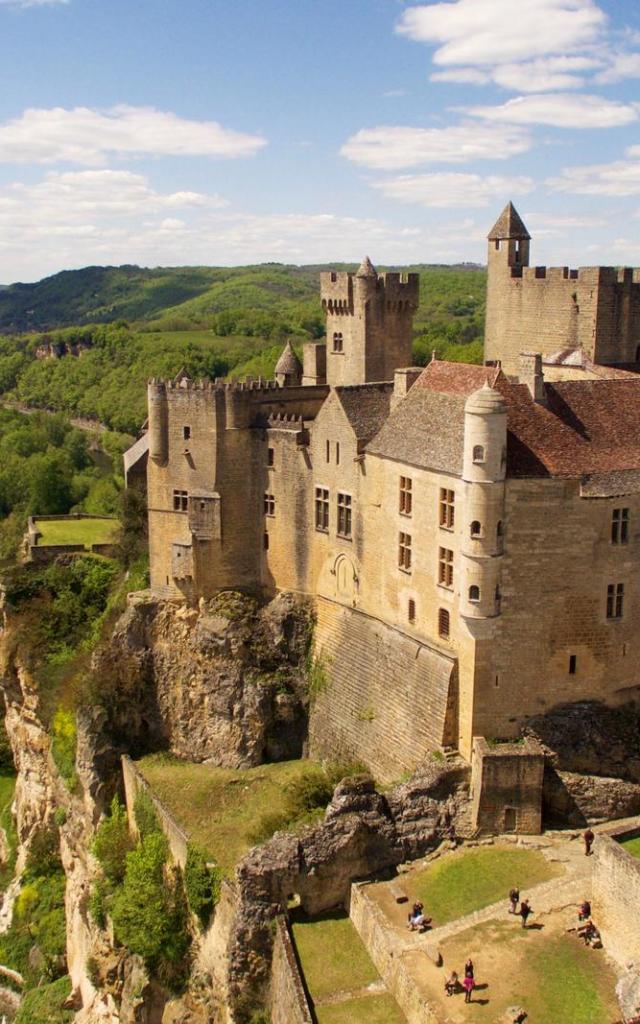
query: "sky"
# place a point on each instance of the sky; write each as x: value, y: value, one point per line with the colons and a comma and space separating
x: 223, y: 132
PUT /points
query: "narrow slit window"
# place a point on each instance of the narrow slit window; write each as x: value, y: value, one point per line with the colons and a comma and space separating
x: 337, y: 453
x: 328, y: 451
x: 411, y: 610
x: 573, y: 661
x: 186, y: 433
x: 265, y: 541
x: 271, y: 456
x: 443, y: 623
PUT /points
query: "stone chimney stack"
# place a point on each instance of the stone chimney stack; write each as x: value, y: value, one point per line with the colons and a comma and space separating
x: 531, y: 375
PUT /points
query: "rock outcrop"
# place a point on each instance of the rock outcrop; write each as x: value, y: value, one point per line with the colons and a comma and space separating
x: 223, y: 683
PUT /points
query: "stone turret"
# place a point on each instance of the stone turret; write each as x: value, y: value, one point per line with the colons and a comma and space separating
x: 484, y: 469
x: 510, y: 238
x: 288, y: 368
x: 158, y: 422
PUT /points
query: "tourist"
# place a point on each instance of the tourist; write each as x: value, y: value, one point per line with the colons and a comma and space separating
x: 469, y: 985
x: 468, y: 968
x: 525, y: 910
x: 590, y: 934
x: 514, y: 896
x: 417, y: 918
x: 588, y: 837
x: 584, y: 911
x: 451, y: 984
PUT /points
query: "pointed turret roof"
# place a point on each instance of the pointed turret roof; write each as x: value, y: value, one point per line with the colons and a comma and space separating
x: 508, y: 225
x: 288, y: 361
x: 366, y: 269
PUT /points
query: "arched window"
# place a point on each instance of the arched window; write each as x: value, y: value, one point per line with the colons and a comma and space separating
x: 338, y: 344
x: 474, y: 593
x: 476, y: 529
x: 499, y: 532
x: 411, y: 610
x: 478, y: 453
x: 443, y: 623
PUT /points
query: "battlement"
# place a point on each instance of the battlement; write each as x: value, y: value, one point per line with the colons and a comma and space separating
x: 220, y: 384
x: 399, y: 291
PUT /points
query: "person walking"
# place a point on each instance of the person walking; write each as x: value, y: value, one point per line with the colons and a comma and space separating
x: 525, y: 910
x: 514, y: 896
x: 468, y: 968
x: 588, y: 837
x: 469, y: 985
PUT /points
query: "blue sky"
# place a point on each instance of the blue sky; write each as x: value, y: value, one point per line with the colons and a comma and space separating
x: 238, y: 131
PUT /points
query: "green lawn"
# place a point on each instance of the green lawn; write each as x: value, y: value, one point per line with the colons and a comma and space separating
x: 568, y: 983
x: 219, y: 807
x: 331, y: 953
x: 465, y: 881
x: 76, y: 531
x: 7, y: 788
x: 368, y: 1010
x: 632, y: 846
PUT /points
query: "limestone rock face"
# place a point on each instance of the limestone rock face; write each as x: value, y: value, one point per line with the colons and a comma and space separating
x: 223, y: 683
x: 572, y: 799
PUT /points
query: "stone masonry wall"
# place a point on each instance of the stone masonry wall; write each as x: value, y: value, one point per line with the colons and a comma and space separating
x: 134, y: 783
x: 616, y: 894
x: 506, y: 786
x: 289, y: 1003
x: 383, y: 695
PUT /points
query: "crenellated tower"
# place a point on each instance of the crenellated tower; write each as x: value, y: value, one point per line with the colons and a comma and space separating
x: 369, y: 323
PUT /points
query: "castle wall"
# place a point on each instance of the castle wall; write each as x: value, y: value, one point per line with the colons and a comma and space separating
x: 289, y: 1004
x: 380, y: 696
x: 616, y: 894
x: 558, y: 563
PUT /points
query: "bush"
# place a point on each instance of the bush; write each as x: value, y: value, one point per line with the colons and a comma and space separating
x: 43, y: 858
x: 113, y: 842
x: 202, y: 884
x: 98, y: 904
x: 63, y: 745
x: 145, y: 814
x: 43, y: 1005
x: 7, y: 766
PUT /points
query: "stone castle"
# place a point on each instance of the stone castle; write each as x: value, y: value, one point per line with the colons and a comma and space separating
x: 468, y: 534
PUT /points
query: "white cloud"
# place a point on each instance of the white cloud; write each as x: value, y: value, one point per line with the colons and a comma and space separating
x: 560, y: 110
x: 621, y: 178
x: 462, y: 76
x: 86, y: 136
x: 391, y: 148
x: 31, y: 3
x: 622, y: 65
x: 490, y: 32
x: 394, y: 93
x: 446, y: 190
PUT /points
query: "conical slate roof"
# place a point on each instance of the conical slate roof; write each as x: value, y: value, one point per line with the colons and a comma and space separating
x: 288, y: 361
x: 366, y: 269
x: 508, y: 225
x: 485, y: 400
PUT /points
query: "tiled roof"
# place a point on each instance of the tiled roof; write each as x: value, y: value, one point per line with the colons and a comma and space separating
x: 288, y: 361
x: 366, y: 407
x: 508, y: 225
x: 586, y: 427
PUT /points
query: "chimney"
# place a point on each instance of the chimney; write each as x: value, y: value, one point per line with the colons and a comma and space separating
x: 531, y: 375
x: 403, y: 380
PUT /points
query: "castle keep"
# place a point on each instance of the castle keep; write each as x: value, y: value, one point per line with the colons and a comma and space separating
x: 468, y: 534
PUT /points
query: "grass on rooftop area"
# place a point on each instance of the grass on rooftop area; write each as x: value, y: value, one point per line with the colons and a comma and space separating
x: 468, y: 880
x: 219, y: 807
x: 381, y: 1009
x: 632, y: 846
x: 331, y: 953
x: 76, y: 531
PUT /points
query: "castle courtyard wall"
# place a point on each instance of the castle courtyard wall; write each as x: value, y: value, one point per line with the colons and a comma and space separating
x: 616, y: 895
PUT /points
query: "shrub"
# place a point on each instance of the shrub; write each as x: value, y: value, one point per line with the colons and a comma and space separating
x: 43, y: 858
x: 113, y: 842
x: 202, y: 884
x: 43, y: 1005
x: 145, y: 814
x: 63, y: 745
x: 98, y: 904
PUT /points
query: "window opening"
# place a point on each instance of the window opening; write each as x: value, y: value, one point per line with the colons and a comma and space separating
x: 474, y: 593
x: 615, y: 600
x: 411, y: 610
x: 269, y: 505
x: 186, y: 433
x: 443, y: 622
x: 271, y: 456
x: 322, y: 509
x: 328, y: 451
x: 620, y: 526
x: 180, y: 501
x: 447, y: 508
x: 499, y: 528
x: 478, y: 453
x: 404, y: 552
x: 476, y: 529
x: 338, y: 343
x: 265, y: 541
x: 445, y: 567
x: 337, y: 453
x: 344, y: 515
x: 406, y: 496
x: 572, y: 664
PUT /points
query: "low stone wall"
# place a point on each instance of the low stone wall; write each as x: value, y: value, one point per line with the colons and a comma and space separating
x: 134, y: 782
x: 46, y: 554
x: 616, y: 895
x: 387, y: 955
x: 289, y: 1003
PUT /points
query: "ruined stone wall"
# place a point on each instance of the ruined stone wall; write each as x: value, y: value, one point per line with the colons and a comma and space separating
x: 289, y: 1003
x: 381, y: 696
x: 506, y: 787
x: 616, y: 892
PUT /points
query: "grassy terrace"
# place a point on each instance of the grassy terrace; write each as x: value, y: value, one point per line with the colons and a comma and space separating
x: 472, y: 879
x: 338, y: 972
x: 76, y: 531
x: 632, y: 846
x: 220, y: 807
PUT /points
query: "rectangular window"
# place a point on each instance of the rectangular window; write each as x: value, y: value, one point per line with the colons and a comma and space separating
x: 447, y: 508
x: 620, y: 526
x: 271, y: 455
x: 322, y: 509
x: 186, y: 433
x: 344, y: 515
x: 443, y: 623
x: 180, y: 501
x: 404, y: 552
x: 265, y: 541
x: 615, y: 600
x: 328, y: 451
x: 445, y: 567
x: 406, y: 496
x: 269, y: 505
x: 573, y: 661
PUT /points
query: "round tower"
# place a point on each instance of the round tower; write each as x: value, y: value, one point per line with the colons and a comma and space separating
x: 484, y: 469
x: 158, y: 422
x: 288, y: 371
